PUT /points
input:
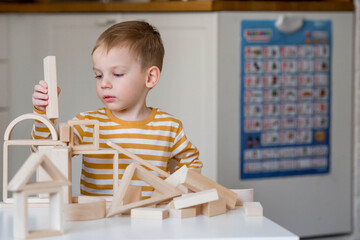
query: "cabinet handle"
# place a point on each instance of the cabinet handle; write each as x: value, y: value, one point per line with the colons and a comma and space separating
x: 105, y: 22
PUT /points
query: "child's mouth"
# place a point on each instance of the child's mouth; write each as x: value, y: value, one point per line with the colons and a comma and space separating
x: 109, y: 98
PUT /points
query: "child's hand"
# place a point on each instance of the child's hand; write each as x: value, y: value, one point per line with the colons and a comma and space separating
x: 40, y: 96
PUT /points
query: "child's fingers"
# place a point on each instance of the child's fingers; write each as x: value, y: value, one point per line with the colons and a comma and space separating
x: 40, y: 96
x: 43, y: 84
x: 40, y: 104
x: 40, y: 88
x: 58, y: 90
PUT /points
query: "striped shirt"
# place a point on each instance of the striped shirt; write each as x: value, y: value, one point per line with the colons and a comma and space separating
x: 157, y: 139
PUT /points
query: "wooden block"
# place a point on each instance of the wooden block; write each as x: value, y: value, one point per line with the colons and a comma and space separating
x: 244, y: 195
x: 138, y: 159
x: 64, y: 132
x: 61, y: 157
x: 183, y: 213
x: 253, y: 209
x: 85, y: 208
x: 197, y: 182
x: 20, y: 225
x: 175, y: 178
x: 214, y: 208
x: 149, y: 213
x: 115, y: 161
x: 32, y: 116
x: 96, y: 128
x: 133, y: 194
x: 167, y: 191
x: 192, y: 199
x: 19, y: 181
x: 52, y: 110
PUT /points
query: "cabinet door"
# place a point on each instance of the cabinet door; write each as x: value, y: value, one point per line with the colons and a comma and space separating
x: 3, y: 37
x: 4, y: 91
x: 187, y: 86
x: 4, y: 118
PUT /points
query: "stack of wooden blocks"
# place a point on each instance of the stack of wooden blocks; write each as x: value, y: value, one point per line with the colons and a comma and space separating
x: 185, y: 193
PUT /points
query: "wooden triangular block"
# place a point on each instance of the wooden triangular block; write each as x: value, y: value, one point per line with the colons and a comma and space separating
x: 167, y: 191
x: 21, y: 178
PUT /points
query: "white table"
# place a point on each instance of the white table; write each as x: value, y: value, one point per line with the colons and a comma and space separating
x: 232, y: 225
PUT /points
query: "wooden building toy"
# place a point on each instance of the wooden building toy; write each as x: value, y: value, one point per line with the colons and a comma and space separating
x: 60, y: 156
x: 197, y: 182
x: 104, y: 152
x: 52, y: 110
x: 167, y: 191
x: 193, y: 199
x: 22, y: 189
x: 64, y: 132
x: 214, y: 208
x: 244, y: 195
x: 253, y: 209
x: 150, y: 213
x: 85, y: 208
x: 183, y: 213
x: 25, y: 142
x: 77, y: 146
x: 138, y: 159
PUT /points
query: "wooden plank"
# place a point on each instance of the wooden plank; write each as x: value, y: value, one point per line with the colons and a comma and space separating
x: 141, y: 203
x: 138, y: 159
x: 197, y: 182
x: 119, y: 195
x: 155, y: 181
x: 52, y: 109
x: 171, y: 6
x: 193, y: 199
x: 135, y: 169
x: 149, y: 213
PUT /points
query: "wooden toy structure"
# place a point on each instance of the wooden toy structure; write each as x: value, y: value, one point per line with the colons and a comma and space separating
x: 185, y: 193
x: 22, y: 189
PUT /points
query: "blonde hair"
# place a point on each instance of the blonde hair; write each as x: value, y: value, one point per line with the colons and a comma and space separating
x: 142, y: 39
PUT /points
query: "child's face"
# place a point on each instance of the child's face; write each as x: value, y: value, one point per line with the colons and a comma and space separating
x: 120, y: 80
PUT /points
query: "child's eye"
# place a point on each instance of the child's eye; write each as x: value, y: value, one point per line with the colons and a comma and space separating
x: 118, y: 74
x: 98, y: 76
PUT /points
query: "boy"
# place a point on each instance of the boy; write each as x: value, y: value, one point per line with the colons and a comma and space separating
x: 127, y: 60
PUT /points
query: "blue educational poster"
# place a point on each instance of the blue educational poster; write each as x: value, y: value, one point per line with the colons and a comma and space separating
x: 285, y: 99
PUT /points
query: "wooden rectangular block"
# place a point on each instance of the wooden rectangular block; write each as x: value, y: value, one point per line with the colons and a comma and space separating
x: 197, y: 182
x: 193, y: 199
x: 96, y: 130
x: 149, y: 213
x: 52, y: 110
x: 244, y: 195
x: 61, y: 157
x: 64, y: 132
x: 253, y: 209
x: 214, y: 208
x: 183, y: 213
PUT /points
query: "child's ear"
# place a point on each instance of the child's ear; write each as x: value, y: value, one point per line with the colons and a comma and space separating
x: 153, y: 76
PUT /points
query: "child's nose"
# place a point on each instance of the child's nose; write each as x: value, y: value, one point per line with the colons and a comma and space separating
x: 106, y: 82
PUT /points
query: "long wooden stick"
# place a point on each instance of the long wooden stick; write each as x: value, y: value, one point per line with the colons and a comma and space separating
x: 138, y: 159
